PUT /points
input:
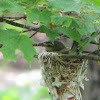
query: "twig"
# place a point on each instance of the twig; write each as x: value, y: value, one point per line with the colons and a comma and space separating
x: 33, y: 34
x: 13, y: 17
x: 70, y: 56
x: 18, y: 24
x: 27, y: 30
x: 89, y: 57
x: 44, y: 44
x: 96, y: 52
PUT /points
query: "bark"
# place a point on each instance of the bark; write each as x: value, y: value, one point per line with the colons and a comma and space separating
x: 92, y: 90
x: 92, y: 87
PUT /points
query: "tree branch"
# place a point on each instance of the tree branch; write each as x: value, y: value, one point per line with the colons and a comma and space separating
x: 81, y: 56
x: 72, y: 56
x: 14, y: 17
x: 44, y: 44
x: 33, y: 34
x: 18, y: 24
x: 27, y: 30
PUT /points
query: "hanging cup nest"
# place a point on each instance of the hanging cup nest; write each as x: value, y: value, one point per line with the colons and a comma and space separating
x: 63, y: 77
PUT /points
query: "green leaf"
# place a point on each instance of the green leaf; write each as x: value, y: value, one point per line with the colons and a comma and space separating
x: 73, y: 34
x: 61, y: 20
x: 10, y: 6
x: 39, y: 16
x: 84, y: 27
x: 67, y: 21
x: 40, y: 2
x: 8, y: 26
x: 12, y: 41
x: 90, y: 27
x: 93, y: 5
x: 33, y: 15
x: 96, y: 2
x: 50, y: 33
x: 95, y: 8
x: 87, y: 40
x: 80, y: 27
x: 89, y: 23
x: 65, y: 5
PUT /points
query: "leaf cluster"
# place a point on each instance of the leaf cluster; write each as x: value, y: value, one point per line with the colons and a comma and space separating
x: 75, y: 18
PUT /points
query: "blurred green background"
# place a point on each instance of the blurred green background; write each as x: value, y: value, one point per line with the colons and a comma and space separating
x: 21, y: 85
x: 15, y: 93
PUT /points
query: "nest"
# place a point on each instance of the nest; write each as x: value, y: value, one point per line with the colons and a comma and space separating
x: 63, y: 77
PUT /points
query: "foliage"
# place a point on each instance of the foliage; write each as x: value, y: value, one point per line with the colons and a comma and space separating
x: 11, y: 41
x: 10, y: 6
x: 75, y: 18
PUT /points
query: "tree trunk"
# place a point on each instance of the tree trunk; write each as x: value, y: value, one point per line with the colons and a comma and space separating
x: 92, y: 88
